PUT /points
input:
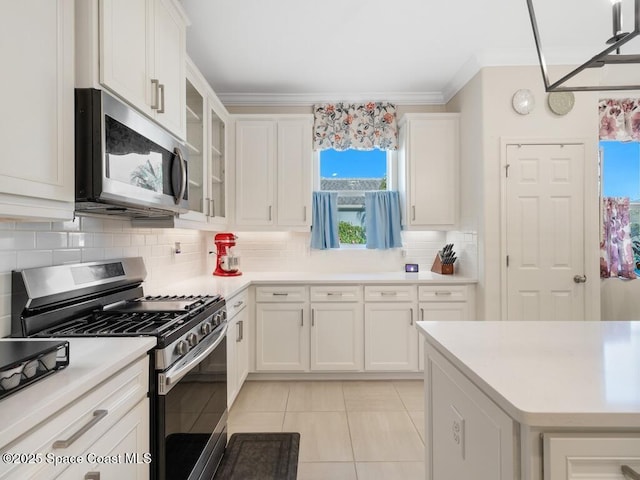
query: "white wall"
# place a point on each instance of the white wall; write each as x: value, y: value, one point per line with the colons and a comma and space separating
x: 485, y: 104
x: 26, y: 245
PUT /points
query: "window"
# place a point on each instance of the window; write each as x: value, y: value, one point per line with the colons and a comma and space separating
x: 620, y: 177
x: 351, y: 173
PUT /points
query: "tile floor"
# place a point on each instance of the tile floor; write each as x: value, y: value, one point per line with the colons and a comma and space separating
x: 349, y: 430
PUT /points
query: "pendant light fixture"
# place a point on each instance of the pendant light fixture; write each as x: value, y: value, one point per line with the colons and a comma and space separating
x: 610, y: 56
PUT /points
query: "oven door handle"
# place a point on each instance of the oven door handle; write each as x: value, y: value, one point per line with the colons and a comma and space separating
x: 168, y: 379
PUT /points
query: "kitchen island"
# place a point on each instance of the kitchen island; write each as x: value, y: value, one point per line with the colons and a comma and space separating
x: 532, y: 400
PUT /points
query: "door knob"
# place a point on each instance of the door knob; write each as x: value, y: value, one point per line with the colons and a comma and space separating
x: 580, y: 278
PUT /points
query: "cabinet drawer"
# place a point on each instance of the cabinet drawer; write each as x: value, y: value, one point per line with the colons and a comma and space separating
x: 281, y: 293
x: 573, y: 456
x: 116, y: 396
x: 237, y: 303
x: 442, y: 293
x: 390, y: 293
x: 339, y: 293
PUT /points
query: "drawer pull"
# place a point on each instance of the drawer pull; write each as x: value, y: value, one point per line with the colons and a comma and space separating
x: 313, y: 317
x: 411, y: 321
x: 629, y: 472
x: 237, y: 304
x: 388, y: 294
x: 92, y: 476
x: 302, y: 317
x: 97, y: 416
x: 334, y: 294
x: 279, y: 294
x: 442, y: 293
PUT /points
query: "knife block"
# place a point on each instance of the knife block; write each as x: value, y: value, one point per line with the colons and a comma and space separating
x: 439, y: 267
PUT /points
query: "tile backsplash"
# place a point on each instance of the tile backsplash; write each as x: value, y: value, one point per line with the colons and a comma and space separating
x: 85, y: 239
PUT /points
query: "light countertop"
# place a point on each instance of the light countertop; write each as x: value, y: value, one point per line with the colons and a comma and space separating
x: 584, y: 374
x: 91, y: 361
x: 229, y: 286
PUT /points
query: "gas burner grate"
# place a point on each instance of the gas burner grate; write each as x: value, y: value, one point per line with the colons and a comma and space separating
x: 97, y: 324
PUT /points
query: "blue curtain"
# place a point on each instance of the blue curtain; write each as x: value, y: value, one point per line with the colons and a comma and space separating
x: 324, y: 228
x: 382, y: 219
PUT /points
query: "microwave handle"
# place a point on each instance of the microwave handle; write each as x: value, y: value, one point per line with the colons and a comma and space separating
x: 183, y: 176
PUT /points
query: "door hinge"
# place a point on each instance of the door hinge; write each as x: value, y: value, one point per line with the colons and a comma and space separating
x: 507, y: 260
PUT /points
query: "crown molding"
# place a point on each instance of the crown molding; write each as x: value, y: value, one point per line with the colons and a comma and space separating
x: 308, y: 99
x: 486, y: 58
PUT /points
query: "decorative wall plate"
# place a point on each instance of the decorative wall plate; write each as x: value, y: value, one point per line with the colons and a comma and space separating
x: 561, y: 103
x: 523, y: 101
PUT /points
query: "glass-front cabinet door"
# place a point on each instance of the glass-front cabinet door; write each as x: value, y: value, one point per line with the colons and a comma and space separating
x: 196, y: 144
x: 206, y: 137
x: 217, y: 165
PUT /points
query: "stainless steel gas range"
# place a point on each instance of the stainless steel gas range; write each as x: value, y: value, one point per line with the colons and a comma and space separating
x: 188, y: 390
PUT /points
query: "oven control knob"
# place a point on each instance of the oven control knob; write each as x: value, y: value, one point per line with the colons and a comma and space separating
x: 205, y: 328
x: 182, y: 347
x: 216, y: 319
x: 192, y: 338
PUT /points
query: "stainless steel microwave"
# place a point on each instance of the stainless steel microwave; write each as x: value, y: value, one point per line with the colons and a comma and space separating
x: 126, y: 165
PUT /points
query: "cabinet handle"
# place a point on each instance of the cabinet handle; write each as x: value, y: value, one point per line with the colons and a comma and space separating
x: 238, y: 337
x: 629, y: 472
x: 212, y: 208
x: 206, y: 202
x: 442, y: 293
x: 97, y: 416
x: 241, y: 330
x: 334, y: 294
x: 161, y: 89
x: 92, y: 476
x: 422, y: 314
x: 305, y: 213
x: 269, y: 212
x: 388, y: 294
x: 280, y: 294
x: 411, y: 318
x: 156, y: 83
x: 237, y: 304
x: 413, y: 212
x: 313, y: 317
x: 302, y: 317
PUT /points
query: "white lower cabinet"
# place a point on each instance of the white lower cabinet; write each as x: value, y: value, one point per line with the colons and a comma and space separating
x: 110, y: 419
x: 348, y: 327
x: 337, y: 336
x: 467, y: 435
x: 237, y: 344
x: 282, y: 337
x: 390, y: 337
x: 123, y: 452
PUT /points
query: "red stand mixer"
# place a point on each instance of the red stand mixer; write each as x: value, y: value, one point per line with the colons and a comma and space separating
x: 226, y: 262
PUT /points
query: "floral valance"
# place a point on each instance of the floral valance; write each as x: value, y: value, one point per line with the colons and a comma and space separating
x: 620, y: 119
x: 358, y: 126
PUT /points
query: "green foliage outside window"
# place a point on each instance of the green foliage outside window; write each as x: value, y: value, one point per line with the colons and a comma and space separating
x: 353, y: 234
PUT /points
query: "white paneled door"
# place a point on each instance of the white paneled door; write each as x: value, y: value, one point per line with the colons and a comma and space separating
x: 545, y: 232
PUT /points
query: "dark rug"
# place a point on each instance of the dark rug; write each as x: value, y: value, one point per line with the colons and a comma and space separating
x: 260, y: 456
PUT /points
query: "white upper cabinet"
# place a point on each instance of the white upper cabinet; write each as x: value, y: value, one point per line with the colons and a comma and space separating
x: 273, y: 171
x: 206, y: 146
x: 139, y: 54
x: 428, y: 170
x: 36, y: 128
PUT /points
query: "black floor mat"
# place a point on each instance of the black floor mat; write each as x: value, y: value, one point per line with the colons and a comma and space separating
x: 260, y: 456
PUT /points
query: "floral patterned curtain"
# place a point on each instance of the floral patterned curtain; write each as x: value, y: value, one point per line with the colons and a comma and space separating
x: 619, y: 119
x: 365, y: 126
x: 616, y: 253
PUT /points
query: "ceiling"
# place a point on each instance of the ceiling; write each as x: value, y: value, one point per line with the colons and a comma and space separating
x: 268, y: 52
